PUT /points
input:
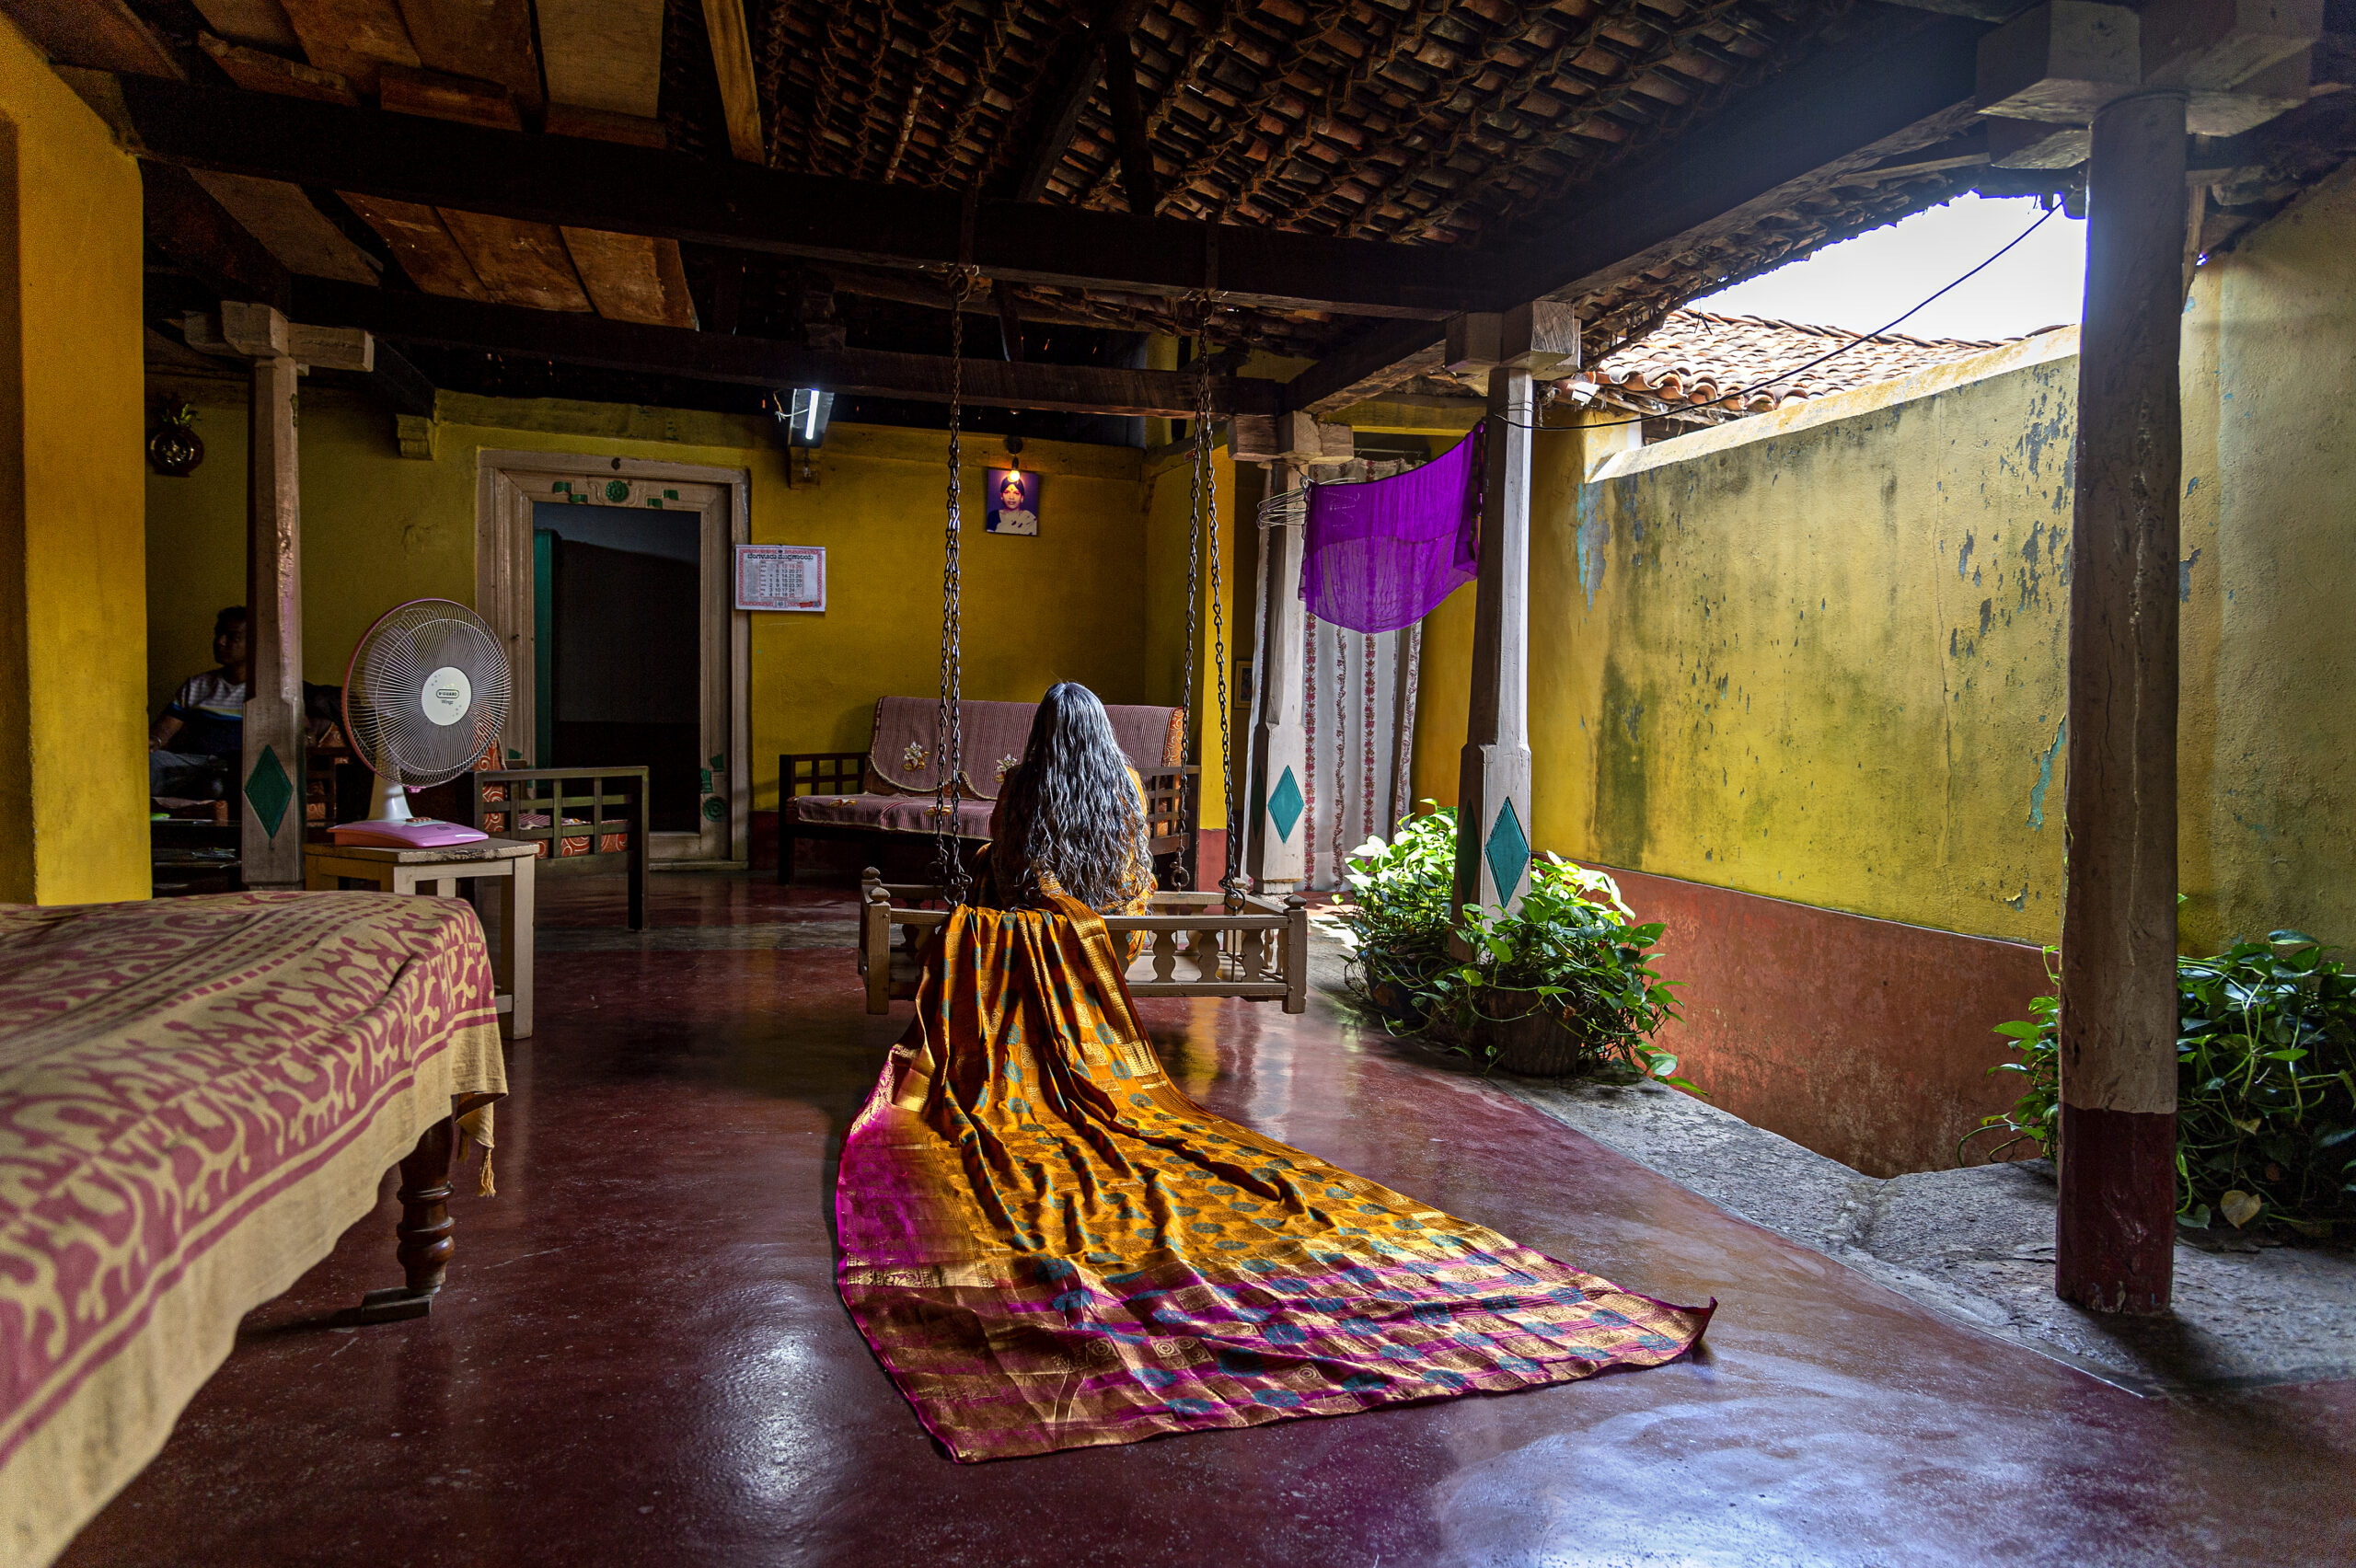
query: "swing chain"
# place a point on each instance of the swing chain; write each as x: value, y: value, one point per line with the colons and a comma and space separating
x: 948, y: 856
x: 1206, y: 497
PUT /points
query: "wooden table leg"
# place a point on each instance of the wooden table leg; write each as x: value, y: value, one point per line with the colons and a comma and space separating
x: 513, y: 972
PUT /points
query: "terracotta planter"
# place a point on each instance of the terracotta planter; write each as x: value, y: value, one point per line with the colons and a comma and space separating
x: 1532, y: 1046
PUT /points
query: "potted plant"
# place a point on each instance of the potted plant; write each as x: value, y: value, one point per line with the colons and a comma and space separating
x: 1563, y: 984
x: 2266, y: 1086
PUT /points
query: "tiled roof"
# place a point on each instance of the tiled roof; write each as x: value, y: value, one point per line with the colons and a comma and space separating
x: 1695, y: 357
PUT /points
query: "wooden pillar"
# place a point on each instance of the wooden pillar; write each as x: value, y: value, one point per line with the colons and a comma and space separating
x: 1280, y: 829
x: 2116, y: 1234
x: 1493, y: 788
x: 270, y: 776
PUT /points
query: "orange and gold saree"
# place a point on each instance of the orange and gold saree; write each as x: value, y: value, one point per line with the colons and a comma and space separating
x: 1049, y: 1246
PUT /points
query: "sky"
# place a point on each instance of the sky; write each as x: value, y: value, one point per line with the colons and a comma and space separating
x: 1861, y: 283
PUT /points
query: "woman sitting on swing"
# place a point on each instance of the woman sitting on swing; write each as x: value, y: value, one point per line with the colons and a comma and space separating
x: 1071, y: 817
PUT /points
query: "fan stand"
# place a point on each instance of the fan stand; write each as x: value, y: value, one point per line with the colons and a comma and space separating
x: 388, y: 801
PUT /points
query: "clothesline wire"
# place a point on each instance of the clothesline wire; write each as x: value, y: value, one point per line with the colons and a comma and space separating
x: 1830, y: 353
x: 1276, y: 506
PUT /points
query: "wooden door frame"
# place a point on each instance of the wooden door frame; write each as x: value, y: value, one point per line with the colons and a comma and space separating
x: 503, y: 597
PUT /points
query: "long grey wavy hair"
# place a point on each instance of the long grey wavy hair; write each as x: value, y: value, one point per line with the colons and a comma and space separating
x: 1070, y: 808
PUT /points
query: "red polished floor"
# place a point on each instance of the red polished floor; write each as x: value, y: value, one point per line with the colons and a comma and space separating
x: 639, y: 1358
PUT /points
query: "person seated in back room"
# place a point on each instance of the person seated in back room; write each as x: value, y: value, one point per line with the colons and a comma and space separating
x: 193, y: 751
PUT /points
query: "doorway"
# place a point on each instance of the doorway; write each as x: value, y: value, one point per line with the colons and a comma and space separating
x: 608, y: 581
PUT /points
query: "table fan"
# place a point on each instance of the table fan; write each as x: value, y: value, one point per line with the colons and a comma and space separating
x: 427, y: 691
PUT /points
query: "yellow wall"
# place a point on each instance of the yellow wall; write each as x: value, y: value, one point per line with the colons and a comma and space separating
x: 1071, y: 605
x: 2268, y: 742
x: 1169, y: 495
x: 1813, y: 656
x: 73, y: 611
x: 1821, y: 654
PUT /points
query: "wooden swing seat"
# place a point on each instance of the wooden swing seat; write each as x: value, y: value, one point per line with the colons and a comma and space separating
x: 1197, y: 948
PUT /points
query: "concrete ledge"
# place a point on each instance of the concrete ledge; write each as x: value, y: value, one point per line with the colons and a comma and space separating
x: 1975, y: 1245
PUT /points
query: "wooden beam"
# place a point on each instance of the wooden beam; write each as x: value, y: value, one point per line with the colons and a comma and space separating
x: 1493, y: 784
x: 271, y: 771
x: 298, y: 232
x: 754, y: 361
x: 488, y: 38
x: 405, y: 388
x: 2115, y: 1234
x: 260, y: 71
x: 1899, y: 69
x: 739, y: 207
x: 186, y: 223
x: 731, y: 57
x: 1072, y: 77
x: 1128, y: 119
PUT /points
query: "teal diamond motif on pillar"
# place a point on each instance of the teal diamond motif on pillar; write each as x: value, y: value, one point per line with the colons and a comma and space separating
x: 1285, y: 807
x: 269, y: 791
x: 1508, y: 852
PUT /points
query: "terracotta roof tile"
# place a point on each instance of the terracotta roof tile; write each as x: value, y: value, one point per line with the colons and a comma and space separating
x: 1695, y: 357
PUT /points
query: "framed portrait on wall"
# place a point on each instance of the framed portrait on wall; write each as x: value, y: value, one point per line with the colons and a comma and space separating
x: 1013, y: 501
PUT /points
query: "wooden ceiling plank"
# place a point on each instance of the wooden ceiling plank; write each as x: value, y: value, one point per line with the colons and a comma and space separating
x: 754, y: 361
x: 599, y: 125
x: 731, y: 57
x: 105, y: 35
x: 604, y: 53
x: 520, y: 263
x: 186, y: 225
x: 487, y: 38
x: 356, y: 39
x: 677, y: 302
x: 296, y: 232
x: 440, y: 96
x: 260, y: 23
x: 773, y: 211
x: 259, y: 71
x: 420, y: 242
x: 623, y: 275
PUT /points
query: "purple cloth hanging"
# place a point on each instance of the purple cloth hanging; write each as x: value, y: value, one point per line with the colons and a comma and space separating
x: 1383, y: 554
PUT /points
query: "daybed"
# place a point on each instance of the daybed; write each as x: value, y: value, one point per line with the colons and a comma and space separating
x: 197, y: 1098
x: 887, y: 790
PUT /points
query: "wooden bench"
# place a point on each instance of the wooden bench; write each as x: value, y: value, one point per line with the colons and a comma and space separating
x: 1199, y: 946
x: 866, y: 796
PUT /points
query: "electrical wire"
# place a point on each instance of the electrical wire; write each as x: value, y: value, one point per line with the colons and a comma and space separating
x: 1797, y: 370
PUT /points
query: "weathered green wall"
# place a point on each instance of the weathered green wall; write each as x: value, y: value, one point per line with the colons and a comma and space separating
x: 1820, y: 654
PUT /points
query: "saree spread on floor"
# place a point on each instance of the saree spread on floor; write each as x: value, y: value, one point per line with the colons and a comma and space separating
x: 1049, y: 1246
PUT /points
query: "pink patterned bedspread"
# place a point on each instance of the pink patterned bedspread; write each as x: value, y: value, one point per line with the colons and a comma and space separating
x: 196, y: 1097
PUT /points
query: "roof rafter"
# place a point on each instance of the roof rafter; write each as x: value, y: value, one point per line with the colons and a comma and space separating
x: 741, y: 206
x: 1899, y: 73
x: 754, y: 361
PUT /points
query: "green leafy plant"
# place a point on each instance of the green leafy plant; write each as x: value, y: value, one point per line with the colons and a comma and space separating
x: 2265, y: 1085
x: 1572, y: 952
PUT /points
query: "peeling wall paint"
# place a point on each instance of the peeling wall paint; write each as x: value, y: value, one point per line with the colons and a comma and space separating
x: 2266, y: 747
x: 1821, y: 654
x: 1813, y: 655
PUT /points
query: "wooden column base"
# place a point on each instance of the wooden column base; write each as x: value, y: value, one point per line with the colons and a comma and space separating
x: 2115, y: 1238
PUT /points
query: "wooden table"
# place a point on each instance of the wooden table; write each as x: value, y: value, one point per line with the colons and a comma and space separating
x: 437, y: 873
